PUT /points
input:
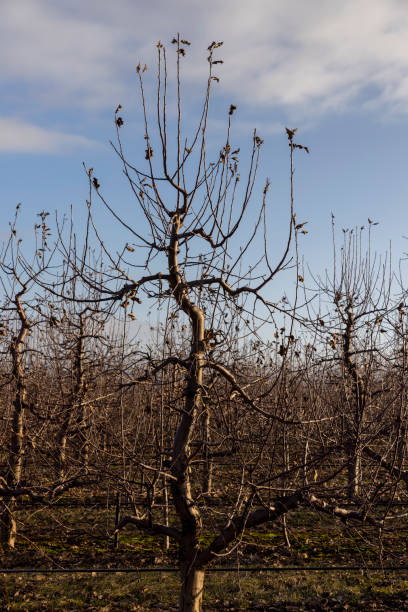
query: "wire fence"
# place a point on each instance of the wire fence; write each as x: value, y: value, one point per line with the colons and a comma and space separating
x: 269, y: 568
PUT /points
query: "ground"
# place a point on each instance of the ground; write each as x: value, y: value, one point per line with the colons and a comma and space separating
x: 80, y: 536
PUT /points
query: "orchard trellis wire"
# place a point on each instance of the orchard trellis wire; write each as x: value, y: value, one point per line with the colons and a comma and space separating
x: 268, y: 568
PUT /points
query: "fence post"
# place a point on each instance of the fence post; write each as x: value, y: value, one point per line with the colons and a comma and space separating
x: 166, y: 544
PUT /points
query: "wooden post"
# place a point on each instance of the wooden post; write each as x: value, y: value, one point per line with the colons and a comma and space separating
x: 166, y: 543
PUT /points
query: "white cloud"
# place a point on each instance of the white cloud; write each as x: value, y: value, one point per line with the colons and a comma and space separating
x: 20, y: 137
x: 67, y: 58
x: 317, y: 54
x: 314, y: 56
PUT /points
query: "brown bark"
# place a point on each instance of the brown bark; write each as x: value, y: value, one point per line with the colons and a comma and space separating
x: 8, y: 526
x: 187, y: 511
x: 76, y: 397
x: 208, y: 464
x: 358, y: 398
x: 191, y: 596
x: 8, y: 530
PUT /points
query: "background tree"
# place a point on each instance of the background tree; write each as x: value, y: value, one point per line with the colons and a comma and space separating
x: 354, y: 301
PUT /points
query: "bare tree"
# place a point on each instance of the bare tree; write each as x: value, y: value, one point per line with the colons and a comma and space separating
x: 37, y: 421
x: 19, y: 322
x: 354, y: 304
x: 196, y: 214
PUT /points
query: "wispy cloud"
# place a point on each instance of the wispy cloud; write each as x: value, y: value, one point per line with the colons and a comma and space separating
x: 20, y: 137
x: 317, y: 56
x: 65, y: 56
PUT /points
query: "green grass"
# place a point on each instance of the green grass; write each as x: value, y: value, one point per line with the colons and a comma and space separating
x: 234, y: 591
x: 82, y: 537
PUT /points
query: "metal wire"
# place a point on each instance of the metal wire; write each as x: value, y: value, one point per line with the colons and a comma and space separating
x: 273, y: 568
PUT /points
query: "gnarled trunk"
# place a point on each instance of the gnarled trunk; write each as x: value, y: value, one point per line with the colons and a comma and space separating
x: 188, y: 512
x: 8, y: 528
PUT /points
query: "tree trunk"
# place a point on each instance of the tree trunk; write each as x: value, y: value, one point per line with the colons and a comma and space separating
x: 84, y: 426
x: 8, y: 526
x: 8, y: 529
x: 166, y: 541
x: 62, y: 448
x: 357, y: 397
x: 286, y: 466
x: 192, y: 586
x: 354, y: 477
x: 208, y: 466
x: 77, y: 394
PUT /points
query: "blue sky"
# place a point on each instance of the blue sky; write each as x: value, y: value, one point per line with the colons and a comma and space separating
x: 338, y: 71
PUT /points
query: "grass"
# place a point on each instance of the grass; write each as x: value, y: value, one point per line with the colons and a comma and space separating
x: 82, y: 537
x: 232, y: 591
